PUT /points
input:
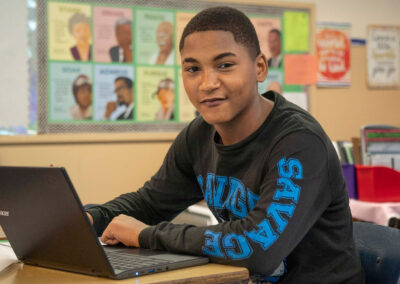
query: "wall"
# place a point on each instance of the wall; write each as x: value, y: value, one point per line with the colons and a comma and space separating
x: 343, y: 111
x: 100, y: 166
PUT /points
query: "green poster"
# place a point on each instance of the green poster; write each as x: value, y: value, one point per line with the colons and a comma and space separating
x: 154, y: 37
x: 296, y: 31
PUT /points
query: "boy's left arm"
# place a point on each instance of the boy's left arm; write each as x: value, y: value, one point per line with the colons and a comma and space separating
x: 294, y: 194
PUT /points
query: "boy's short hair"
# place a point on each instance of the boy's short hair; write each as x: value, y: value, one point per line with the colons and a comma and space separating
x: 228, y: 19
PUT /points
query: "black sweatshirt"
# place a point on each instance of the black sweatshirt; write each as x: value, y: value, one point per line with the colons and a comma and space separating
x: 279, y: 196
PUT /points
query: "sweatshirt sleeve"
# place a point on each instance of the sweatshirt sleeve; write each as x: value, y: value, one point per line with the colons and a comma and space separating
x: 172, y: 189
x: 294, y: 193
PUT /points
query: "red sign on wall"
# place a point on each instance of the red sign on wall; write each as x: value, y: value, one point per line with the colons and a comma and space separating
x: 333, y: 54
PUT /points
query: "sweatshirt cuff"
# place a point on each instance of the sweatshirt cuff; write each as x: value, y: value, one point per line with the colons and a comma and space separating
x: 98, y: 220
x: 145, y: 236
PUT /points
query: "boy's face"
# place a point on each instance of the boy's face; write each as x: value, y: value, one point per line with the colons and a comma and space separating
x: 220, y: 77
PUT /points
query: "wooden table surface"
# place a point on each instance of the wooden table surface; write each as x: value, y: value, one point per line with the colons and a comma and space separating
x: 208, y: 273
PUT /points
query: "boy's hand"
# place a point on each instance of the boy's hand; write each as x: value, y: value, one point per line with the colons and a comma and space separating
x: 123, y: 229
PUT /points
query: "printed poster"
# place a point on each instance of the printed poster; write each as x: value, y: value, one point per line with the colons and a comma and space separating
x: 182, y: 19
x: 112, y: 34
x: 70, y: 92
x: 155, y: 98
x: 155, y: 37
x: 273, y: 82
x: 69, y: 32
x: 187, y: 111
x: 333, y: 54
x: 114, y: 95
x: 383, y: 56
x: 269, y: 35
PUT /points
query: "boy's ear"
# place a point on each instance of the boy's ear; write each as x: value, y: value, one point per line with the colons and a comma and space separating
x: 262, y: 67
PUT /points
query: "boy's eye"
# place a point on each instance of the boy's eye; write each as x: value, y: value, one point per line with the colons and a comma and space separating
x: 192, y: 69
x: 225, y: 65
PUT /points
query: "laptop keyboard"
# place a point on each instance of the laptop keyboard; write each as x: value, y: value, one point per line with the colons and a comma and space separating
x: 125, y: 261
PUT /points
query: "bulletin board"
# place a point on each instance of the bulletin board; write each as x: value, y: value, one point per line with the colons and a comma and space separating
x: 103, y: 63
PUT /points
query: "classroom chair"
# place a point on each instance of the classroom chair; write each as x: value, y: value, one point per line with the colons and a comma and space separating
x: 379, y: 249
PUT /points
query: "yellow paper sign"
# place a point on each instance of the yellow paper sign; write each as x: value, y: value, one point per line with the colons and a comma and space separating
x: 296, y: 31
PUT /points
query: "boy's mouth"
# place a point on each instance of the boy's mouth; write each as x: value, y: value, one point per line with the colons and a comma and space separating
x: 211, y: 102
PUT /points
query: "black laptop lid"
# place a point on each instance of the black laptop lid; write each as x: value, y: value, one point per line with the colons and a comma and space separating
x: 44, y: 221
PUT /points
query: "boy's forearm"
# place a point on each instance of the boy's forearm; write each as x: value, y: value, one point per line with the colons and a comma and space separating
x: 190, y: 239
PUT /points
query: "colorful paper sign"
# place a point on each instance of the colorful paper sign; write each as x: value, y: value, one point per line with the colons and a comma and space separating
x: 333, y: 54
x: 300, y: 69
x: 296, y: 31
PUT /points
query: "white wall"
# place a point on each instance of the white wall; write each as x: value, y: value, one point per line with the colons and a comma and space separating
x: 13, y: 57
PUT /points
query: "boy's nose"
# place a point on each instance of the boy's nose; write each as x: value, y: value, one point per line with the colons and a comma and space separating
x: 209, y: 81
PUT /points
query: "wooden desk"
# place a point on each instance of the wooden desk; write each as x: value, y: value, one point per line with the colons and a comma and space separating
x: 209, y: 273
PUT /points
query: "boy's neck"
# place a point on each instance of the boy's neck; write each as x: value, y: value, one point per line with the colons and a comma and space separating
x: 236, y: 131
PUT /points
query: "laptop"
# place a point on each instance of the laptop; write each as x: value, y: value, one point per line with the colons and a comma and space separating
x: 46, y: 225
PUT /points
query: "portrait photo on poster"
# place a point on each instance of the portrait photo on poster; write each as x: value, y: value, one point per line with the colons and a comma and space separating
x: 114, y: 92
x: 269, y: 35
x: 155, y: 94
x: 70, y: 90
x: 113, y: 34
x: 155, y: 33
x: 69, y: 31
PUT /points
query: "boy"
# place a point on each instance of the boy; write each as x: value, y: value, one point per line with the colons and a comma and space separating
x: 266, y: 169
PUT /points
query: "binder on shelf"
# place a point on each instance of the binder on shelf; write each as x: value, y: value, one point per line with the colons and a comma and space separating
x: 346, y: 153
x: 349, y: 173
x: 380, y: 145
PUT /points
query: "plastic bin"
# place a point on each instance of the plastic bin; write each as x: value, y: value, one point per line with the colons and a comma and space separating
x: 378, y: 184
x: 349, y: 173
